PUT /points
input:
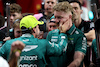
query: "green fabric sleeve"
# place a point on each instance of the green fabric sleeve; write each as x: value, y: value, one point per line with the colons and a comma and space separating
x: 49, y: 36
x: 58, y: 49
x: 81, y: 44
x: 4, y: 52
x: 94, y: 47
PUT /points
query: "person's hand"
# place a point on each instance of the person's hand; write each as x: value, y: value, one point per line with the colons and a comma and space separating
x: 64, y: 26
x: 7, y: 38
x: 17, y: 47
x: 40, y: 36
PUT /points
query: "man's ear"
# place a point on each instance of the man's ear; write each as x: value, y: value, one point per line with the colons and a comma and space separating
x: 81, y: 11
x: 33, y: 30
x: 70, y: 16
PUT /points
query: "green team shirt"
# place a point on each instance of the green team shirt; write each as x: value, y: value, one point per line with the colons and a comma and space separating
x: 94, y: 47
x: 33, y: 55
x: 76, y: 42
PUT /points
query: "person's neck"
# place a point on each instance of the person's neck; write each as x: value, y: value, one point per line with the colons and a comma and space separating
x: 71, y: 24
x: 47, y: 13
x: 78, y: 21
x: 34, y: 35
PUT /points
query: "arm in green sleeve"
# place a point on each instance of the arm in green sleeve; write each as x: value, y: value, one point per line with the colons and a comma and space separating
x: 49, y: 36
x: 4, y: 51
x: 58, y: 49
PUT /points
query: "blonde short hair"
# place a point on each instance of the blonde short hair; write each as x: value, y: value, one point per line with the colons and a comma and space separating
x: 65, y: 7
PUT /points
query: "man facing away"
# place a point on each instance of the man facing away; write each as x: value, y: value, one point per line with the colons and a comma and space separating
x: 35, y: 50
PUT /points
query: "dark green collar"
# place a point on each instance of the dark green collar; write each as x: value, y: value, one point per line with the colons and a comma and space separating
x: 71, y: 30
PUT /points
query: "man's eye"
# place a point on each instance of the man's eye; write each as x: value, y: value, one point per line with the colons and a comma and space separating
x: 14, y: 15
x: 48, y: 2
x: 75, y: 8
x: 52, y: 2
x: 59, y: 17
x: 54, y: 26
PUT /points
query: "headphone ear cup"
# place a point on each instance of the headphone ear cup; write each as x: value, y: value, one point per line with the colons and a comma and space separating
x: 43, y: 5
x: 81, y: 11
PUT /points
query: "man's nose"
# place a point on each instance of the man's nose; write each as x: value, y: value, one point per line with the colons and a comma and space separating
x: 50, y: 3
x: 56, y: 20
x: 74, y: 10
x: 11, y: 17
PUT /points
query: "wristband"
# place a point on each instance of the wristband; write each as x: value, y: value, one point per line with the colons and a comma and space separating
x: 17, y: 50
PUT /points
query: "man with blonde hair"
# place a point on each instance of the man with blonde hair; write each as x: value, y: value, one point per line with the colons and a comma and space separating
x: 77, y: 42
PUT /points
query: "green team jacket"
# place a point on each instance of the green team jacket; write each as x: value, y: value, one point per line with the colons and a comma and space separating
x: 33, y: 55
x: 76, y: 42
x: 94, y: 47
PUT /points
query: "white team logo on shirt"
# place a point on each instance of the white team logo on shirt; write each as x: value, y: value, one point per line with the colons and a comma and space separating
x: 84, y: 43
x: 30, y: 47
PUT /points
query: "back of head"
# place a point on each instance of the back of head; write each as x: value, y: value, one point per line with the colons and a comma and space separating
x: 15, y: 8
x: 27, y: 23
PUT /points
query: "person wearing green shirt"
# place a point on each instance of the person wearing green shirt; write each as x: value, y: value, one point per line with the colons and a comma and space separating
x: 33, y: 55
x: 77, y: 42
x: 94, y: 51
x: 94, y: 47
x: 16, y: 48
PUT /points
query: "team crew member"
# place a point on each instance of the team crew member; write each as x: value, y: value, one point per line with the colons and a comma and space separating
x: 87, y: 27
x: 94, y: 48
x: 16, y: 48
x: 77, y: 42
x: 16, y: 30
x: 35, y: 50
x: 51, y: 24
x: 15, y: 12
x: 14, y: 55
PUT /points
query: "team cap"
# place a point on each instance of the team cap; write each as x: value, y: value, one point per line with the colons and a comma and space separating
x: 30, y: 22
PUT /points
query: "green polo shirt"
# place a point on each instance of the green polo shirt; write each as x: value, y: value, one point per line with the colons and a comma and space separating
x: 33, y: 55
x: 94, y: 47
x: 76, y: 42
